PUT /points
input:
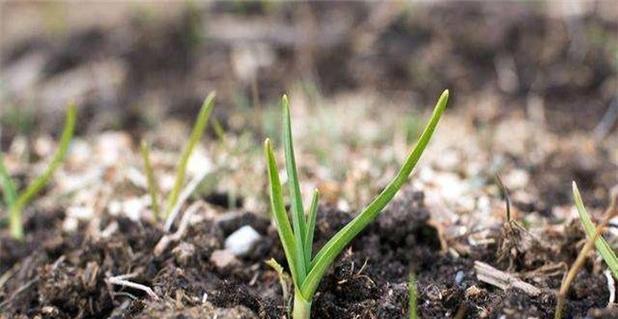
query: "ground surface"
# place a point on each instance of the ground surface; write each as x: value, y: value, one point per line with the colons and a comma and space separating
x: 533, y: 88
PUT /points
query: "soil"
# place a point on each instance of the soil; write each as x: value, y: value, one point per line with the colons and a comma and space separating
x: 58, y: 274
x: 55, y: 275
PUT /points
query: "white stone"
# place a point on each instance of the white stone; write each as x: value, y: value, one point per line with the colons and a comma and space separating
x: 242, y: 241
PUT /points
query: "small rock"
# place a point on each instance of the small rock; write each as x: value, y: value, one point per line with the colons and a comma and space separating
x: 459, y: 277
x: 517, y: 179
x: 242, y: 241
x: 112, y: 147
x: 70, y: 224
x: 223, y: 259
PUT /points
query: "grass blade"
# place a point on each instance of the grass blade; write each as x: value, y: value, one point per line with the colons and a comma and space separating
x: 151, y: 181
x: 35, y: 187
x: 297, y: 211
x: 601, y: 244
x: 8, y: 188
x: 196, y: 135
x: 279, y: 214
x: 335, y: 245
x: 311, y: 218
x: 219, y: 131
x: 412, y: 296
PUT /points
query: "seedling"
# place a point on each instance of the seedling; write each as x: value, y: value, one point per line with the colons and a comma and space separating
x: 606, y: 252
x: 16, y: 202
x: 194, y: 138
x: 594, y: 238
x: 297, y: 239
x: 152, y: 183
x: 412, y: 296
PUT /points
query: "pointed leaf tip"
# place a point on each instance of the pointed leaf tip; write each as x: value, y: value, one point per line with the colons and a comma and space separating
x: 445, y: 95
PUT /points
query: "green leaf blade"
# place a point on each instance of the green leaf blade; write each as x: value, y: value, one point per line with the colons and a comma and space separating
x: 151, y: 180
x: 8, y: 187
x: 194, y: 138
x: 283, y: 226
x: 335, y: 245
x: 296, y: 203
x: 603, y: 247
x: 39, y: 183
x: 311, y: 219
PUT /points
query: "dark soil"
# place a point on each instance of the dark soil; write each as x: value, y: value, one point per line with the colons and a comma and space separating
x: 54, y: 275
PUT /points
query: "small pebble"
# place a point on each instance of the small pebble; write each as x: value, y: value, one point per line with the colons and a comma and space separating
x: 222, y: 259
x: 459, y: 277
x: 242, y: 241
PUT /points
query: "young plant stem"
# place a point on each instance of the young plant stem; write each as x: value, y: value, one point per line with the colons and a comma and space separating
x: 15, y: 211
x: 196, y: 135
x: 581, y: 258
x: 151, y: 181
x: 302, y: 306
x: 412, y: 296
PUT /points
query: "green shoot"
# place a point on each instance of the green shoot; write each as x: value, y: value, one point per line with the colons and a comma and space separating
x: 297, y: 211
x: 15, y: 202
x: 297, y: 238
x: 412, y: 296
x: 219, y: 131
x: 8, y: 188
x: 151, y: 181
x: 601, y: 244
x: 594, y: 238
x: 196, y: 135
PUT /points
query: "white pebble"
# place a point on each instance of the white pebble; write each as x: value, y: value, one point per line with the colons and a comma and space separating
x: 242, y: 241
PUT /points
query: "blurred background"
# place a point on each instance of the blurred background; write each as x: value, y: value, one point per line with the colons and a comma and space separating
x: 361, y: 75
x: 128, y: 63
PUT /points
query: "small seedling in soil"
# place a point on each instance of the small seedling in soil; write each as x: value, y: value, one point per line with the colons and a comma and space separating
x: 412, y: 296
x: 16, y: 202
x: 153, y: 190
x: 601, y: 244
x: 297, y: 238
x: 196, y: 135
x: 594, y: 238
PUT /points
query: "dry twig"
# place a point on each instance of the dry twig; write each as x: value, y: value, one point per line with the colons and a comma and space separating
x: 503, y: 280
x: 122, y: 280
x: 184, y: 195
x: 182, y: 228
x: 611, y: 286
